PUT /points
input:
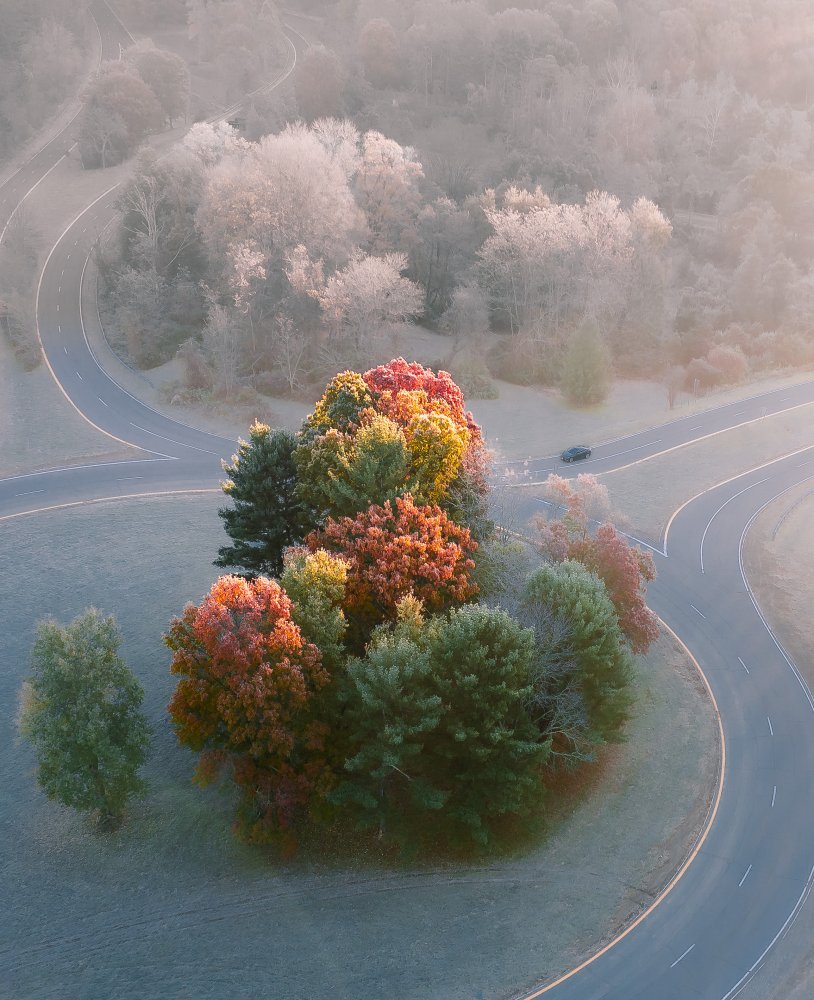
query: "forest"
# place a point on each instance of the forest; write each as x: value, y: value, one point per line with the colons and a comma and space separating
x: 568, y: 191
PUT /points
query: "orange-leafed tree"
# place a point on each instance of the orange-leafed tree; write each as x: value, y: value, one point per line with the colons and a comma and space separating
x: 395, y: 549
x: 625, y: 569
x: 246, y: 701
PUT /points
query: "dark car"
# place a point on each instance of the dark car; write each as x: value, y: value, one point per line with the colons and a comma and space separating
x: 576, y: 453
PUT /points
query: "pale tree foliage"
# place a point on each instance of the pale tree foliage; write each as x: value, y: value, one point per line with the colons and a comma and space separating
x: 210, y: 143
x: 221, y: 346
x: 387, y: 190
x: 284, y: 192
x: 341, y: 139
x: 547, y: 266
x: 247, y: 269
x: 288, y: 351
x: 367, y: 296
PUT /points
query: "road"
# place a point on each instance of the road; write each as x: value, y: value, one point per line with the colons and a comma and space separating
x: 746, y: 880
x: 113, y: 36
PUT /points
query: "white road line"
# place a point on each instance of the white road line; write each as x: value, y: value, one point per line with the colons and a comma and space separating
x: 57, y: 307
x: 181, y: 444
x: 682, y: 956
x: 62, y: 275
x: 639, y: 541
x: 59, y: 290
x: 744, y: 876
x: 59, y: 330
x: 718, y: 511
x: 28, y: 192
x: 629, y: 450
x: 791, y: 664
x: 743, y: 665
x: 65, y: 349
x: 697, y: 428
x: 739, y: 413
x: 79, y: 377
x: 786, y: 924
x: 698, y: 612
x: 101, y: 401
x: 771, y: 731
x: 774, y: 795
x: 125, y: 479
x: 29, y: 493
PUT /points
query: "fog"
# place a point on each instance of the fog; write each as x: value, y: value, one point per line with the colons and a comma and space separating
x: 555, y: 187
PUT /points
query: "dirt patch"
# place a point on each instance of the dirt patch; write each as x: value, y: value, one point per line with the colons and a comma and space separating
x: 173, y: 905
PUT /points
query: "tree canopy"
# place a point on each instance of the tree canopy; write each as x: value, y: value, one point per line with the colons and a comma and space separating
x: 81, y: 714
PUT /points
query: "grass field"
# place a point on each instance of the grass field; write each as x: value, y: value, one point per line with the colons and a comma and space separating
x: 173, y: 906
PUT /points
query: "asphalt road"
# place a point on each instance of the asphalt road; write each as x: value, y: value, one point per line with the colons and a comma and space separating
x: 708, y: 936
x: 113, y: 36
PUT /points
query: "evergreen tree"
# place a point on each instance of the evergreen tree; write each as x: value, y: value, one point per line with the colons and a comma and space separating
x: 268, y: 515
x: 587, y: 633
x: 438, y: 709
x: 391, y: 711
x: 80, y: 712
x: 486, y: 753
x: 586, y: 374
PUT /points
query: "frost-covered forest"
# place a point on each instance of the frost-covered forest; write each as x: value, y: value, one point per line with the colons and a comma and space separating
x: 563, y: 190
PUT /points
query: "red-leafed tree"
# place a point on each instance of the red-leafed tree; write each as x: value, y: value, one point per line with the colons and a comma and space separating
x: 624, y: 569
x: 400, y: 375
x: 396, y: 549
x: 244, y: 701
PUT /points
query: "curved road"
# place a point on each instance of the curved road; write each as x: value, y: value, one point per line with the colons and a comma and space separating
x: 113, y: 37
x: 709, y: 935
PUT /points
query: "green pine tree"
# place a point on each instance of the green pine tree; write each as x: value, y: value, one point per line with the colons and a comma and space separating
x: 267, y: 515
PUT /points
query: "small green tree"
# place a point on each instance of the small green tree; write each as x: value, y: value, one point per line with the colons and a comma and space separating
x: 585, y: 632
x: 80, y: 712
x: 268, y: 515
x: 315, y: 583
x: 586, y: 367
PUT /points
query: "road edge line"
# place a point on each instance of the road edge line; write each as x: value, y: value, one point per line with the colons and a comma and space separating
x: 676, y: 878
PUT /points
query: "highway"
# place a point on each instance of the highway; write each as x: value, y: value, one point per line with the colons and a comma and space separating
x: 751, y: 871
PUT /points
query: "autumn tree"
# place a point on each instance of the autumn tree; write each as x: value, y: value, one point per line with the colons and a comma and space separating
x: 80, y: 711
x: 624, y: 569
x: 343, y: 474
x: 248, y: 678
x: 395, y: 549
x: 315, y: 582
x: 267, y: 515
x: 590, y: 636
